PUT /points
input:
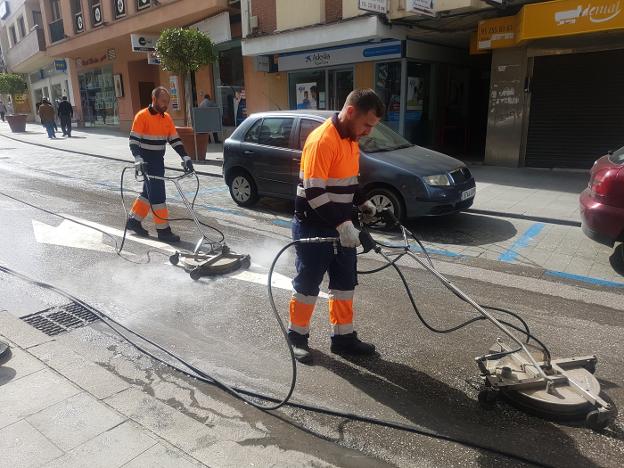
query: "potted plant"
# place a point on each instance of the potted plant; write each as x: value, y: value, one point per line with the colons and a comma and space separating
x: 13, y: 84
x: 183, y: 51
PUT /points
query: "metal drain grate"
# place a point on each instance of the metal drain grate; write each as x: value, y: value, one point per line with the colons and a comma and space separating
x: 60, y: 319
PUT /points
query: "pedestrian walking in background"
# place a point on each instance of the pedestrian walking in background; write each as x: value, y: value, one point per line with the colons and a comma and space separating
x: 47, y: 115
x: 208, y: 102
x: 65, y: 113
x: 3, y: 110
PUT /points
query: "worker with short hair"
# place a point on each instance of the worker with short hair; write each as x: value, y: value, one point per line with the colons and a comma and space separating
x: 327, y: 191
x: 152, y: 128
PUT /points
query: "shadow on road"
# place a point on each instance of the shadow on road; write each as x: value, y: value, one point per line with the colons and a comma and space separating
x: 432, y: 404
x: 463, y: 229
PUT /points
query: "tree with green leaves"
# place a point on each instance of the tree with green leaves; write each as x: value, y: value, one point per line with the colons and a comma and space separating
x: 183, y: 51
x: 12, y: 84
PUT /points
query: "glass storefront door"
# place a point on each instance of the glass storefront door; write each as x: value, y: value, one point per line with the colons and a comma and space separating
x: 97, y: 95
x: 340, y: 85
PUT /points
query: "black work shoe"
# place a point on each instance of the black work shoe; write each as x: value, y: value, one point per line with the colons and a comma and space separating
x: 135, y: 226
x: 350, y: 344
x: 166, y: 235
x: 300, y: 347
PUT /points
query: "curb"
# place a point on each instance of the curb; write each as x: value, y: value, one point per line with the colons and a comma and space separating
x: 539, y: 219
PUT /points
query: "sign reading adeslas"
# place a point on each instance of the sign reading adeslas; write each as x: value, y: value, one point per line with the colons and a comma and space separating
x: 143, y: 42
x: 340, y: 55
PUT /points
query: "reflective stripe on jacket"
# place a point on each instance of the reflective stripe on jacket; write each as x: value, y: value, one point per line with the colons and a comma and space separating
x: 150, y: 133
x: 330, y: 165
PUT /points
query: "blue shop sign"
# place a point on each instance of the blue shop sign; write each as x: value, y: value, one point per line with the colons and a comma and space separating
x: 60, y: 65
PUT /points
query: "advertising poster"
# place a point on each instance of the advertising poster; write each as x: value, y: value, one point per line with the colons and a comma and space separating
x: 174, y: 90
x: 307, y: 96
x: 415, y: 98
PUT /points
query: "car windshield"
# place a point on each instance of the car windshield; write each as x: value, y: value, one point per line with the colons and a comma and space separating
x: 383, y: 138
x: 618, y: 156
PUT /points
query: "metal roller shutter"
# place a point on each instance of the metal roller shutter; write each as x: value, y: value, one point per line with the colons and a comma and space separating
x: 577, y: 109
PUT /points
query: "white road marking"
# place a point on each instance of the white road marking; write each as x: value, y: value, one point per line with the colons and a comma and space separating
x: 259, y: 275
x: 68, y: 234
x: 256, y: 274
x: 119, y: 233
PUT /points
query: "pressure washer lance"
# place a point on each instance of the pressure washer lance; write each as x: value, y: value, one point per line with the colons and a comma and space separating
x: 560, y: 388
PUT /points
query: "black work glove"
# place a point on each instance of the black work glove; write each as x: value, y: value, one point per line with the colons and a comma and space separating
x: 187, y: 165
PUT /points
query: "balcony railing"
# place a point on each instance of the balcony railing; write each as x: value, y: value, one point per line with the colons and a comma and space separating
x: 30, y: 45
x: 96, y: 15
x: 57, y: 33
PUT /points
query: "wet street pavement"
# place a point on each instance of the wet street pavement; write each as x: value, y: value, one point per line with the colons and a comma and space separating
x: 225, y: 326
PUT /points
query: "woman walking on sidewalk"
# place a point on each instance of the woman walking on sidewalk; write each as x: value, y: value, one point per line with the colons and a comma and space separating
x: 3, y: 110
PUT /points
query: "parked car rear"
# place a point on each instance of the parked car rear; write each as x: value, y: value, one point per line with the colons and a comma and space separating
x: 602, y: 202
x: 263, y: 155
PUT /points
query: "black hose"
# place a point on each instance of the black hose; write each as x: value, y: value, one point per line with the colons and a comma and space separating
x: 239, y: 392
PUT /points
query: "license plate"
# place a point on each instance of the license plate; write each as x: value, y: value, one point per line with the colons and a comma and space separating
x: 468, y: 193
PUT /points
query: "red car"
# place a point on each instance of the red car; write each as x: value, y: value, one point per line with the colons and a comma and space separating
x: 602, y: 202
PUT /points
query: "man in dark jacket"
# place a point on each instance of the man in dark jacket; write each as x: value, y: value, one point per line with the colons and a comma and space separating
x: 65, y: 113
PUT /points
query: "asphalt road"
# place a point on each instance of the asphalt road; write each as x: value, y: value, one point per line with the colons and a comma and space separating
x: 225, y: 326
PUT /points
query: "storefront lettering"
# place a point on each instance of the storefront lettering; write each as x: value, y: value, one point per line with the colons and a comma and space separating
x: 595, y: 14
x: 91, y: 61
x: 318, y: 58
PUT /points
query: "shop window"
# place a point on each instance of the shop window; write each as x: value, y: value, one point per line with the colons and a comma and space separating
x: 307, y: 89
x: 418, y: 124
x: 388, y: 88
x: 305, y: 128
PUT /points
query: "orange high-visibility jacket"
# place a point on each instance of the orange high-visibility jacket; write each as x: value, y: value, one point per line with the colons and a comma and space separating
x: 330, y: 165
x: 150, y: 133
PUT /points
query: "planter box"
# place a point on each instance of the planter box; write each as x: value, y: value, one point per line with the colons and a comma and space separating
x: 17, y: 122
x: 186, y: 135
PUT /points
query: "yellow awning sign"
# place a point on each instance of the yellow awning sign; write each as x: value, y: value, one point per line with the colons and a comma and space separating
x: 551, y: 19
x: 569, y: 17
x: 497, y: 33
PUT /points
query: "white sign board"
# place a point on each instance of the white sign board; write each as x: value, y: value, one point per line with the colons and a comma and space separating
x: 423, y: 7
x: 217, y: 28
x: 376, y: 6
x: 143, y: 42
x: 340, y: 55
x: 153, y: 58
x: 263, y: 63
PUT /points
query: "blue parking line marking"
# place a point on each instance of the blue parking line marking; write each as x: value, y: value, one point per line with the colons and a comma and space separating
x: 282, y: 223
x: 584, y: 279
x: 511, y: 253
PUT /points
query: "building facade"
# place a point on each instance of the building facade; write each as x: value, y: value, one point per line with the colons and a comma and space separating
x: 557, y: 83
x: 112, y: 72
x: 23, y: 42
x: 313, y: 53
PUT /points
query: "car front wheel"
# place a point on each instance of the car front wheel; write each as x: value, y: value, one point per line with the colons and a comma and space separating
x: 386, y: 199
x: 243, y: 189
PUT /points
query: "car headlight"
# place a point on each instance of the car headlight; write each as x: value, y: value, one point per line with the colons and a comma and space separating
x: 438, y: 180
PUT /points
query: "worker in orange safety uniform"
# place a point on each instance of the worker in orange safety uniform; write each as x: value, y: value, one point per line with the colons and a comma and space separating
x: 152, y: 128
x: 327, y: 191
